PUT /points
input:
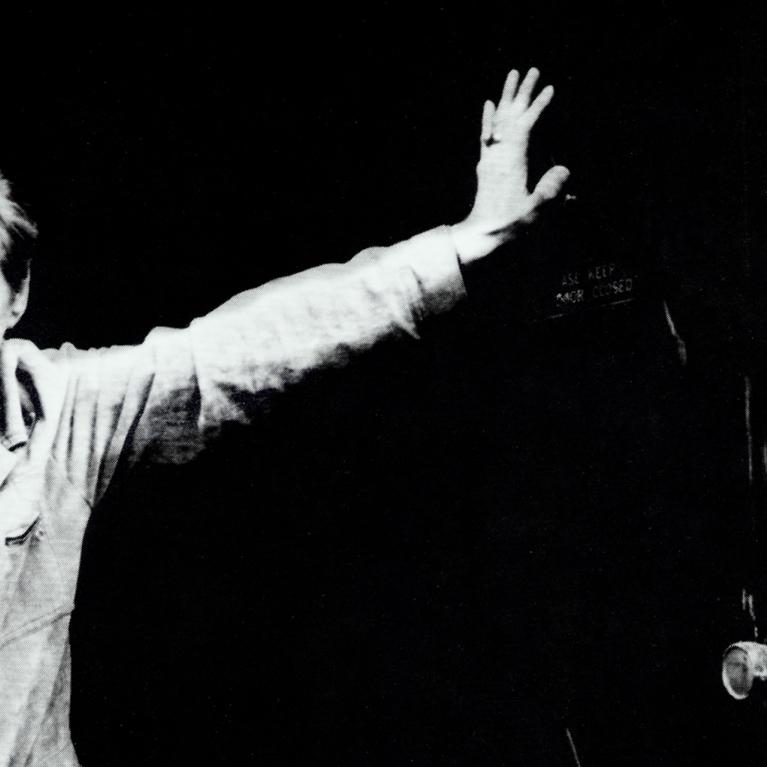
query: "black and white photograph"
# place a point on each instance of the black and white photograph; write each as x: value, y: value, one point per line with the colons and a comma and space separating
x: 384, y: 387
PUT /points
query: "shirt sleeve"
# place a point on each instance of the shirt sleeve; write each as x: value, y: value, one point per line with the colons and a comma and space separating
x: 163, y: 400
x: 269, y: 339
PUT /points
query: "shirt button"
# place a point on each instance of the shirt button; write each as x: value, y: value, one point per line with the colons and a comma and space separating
x: 39, y: 533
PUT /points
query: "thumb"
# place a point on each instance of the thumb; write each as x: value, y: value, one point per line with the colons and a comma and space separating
x: 550, y: 185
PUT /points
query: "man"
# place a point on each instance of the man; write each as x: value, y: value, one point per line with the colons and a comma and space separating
x: 69, y: 418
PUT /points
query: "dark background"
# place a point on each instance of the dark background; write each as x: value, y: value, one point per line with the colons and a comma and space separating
x: 459, y: 551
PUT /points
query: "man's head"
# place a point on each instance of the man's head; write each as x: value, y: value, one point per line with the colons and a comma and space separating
x: 16, y: 235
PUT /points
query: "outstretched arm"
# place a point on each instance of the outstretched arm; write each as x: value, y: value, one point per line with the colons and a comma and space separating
x: 266, y: 339
x: 162, y: 400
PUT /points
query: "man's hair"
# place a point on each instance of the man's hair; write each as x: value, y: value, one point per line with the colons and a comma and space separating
x: 17, y: 233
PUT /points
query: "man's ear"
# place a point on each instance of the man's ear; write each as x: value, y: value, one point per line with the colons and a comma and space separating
x: 19, y: 301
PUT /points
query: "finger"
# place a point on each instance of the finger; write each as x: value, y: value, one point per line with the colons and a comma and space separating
x: 11, y: 420
x: 488, y: 112
x: 550, y: 185
x: 28, y: 356
x: 510, y: 86
x: 541, y: 102
x: 33, y: 363
x: 523, y: 94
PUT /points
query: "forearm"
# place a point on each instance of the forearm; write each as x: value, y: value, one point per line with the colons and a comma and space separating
x: 265, y: 340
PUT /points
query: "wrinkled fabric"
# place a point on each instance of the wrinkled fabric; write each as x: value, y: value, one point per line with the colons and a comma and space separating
x: 70, y: 417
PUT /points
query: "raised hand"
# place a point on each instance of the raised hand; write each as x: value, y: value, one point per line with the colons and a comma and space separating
x: 503, y: 202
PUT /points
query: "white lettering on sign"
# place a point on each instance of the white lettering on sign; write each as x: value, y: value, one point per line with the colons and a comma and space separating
x: 601, y: 272
x: 571, y: 297
x: 614, y: 288
x: 597, y: 284
x: 571, y: 279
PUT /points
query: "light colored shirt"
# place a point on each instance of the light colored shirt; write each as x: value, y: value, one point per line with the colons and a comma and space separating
x: 68, y: 418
